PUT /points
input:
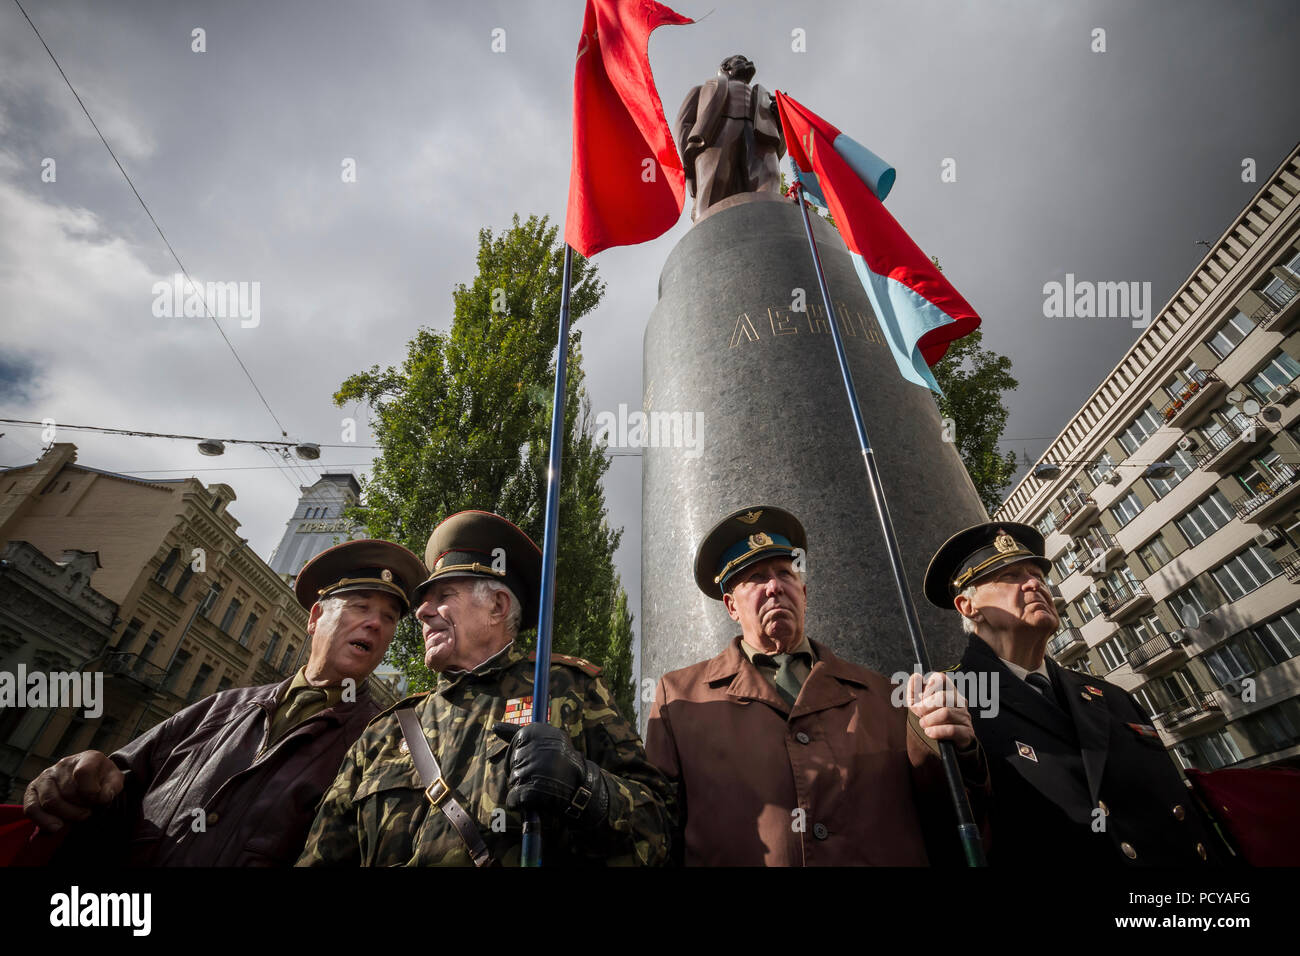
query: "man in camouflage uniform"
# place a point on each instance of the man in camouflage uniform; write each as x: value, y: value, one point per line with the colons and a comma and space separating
x: 583, y: 770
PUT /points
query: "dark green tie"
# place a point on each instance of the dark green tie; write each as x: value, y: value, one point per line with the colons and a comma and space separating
x: 303, y: 699
x: 785, y: 681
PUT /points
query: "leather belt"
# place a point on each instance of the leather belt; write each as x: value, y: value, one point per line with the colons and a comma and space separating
x: 437, y: 789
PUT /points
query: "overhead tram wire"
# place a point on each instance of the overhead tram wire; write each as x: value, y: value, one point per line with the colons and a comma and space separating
x: 145, y: 207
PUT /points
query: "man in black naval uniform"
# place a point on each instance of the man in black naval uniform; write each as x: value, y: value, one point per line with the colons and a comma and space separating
x: 1078, y: 772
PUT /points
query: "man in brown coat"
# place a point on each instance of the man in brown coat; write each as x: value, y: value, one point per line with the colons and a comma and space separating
x: 788, y: 755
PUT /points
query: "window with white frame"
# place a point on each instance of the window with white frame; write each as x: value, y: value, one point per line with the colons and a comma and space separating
x: 1217, y: 749
x: 1205, y: 517
x: 1230, y: 334
x: 1154, y: 555
x: 1126, y: 509
x: 1281, y: 370
x: 1280, y: 636
x: 1140, y: 429
x: 1188, y: 606
x: 1245, y: 572
x: 1183, y: 464
x: 1099, y: 468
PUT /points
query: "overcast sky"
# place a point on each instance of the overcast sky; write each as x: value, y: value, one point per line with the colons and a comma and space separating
x: 1108, y: 165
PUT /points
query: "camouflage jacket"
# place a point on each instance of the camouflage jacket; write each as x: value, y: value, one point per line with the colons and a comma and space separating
x: 376, y: 812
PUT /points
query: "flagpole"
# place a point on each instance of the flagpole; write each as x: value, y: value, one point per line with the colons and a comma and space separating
x: 531, y: 854
x: 966, y: 828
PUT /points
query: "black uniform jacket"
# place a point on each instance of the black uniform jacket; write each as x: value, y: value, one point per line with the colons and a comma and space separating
x: 1084, y: 780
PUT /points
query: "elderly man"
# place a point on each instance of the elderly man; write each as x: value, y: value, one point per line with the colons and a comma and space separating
x: 787, y: 755
x: 235, y: 779
x: 1080, y: 774
x: 433, y: 781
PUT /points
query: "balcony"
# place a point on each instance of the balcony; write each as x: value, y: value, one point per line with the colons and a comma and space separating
x: 135, y: 669
x: 1073, y: 511
x: 1123, y: 600
x: 1271, y: 498
x: 1097, y: 544
x: 1193, y: 400
x: 1231, y: 444
x: 1156, y: 655
x: 1192, y: 713
x: 1066, y: 646
x: 1280, y: 310
x: 1290, y: 563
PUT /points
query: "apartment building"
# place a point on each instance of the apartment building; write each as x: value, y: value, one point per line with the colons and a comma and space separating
x: 1171, y: 503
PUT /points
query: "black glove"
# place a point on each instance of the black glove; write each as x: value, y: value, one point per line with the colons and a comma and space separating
x: 549, y: 776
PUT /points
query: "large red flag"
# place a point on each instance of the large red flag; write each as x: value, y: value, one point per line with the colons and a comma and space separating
x: 626, y: 184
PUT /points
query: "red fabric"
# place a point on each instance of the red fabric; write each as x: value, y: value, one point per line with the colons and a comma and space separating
x: 1258, y: 809
x: 618, y: 123
x: 19, y: 844
x: 868, y: 228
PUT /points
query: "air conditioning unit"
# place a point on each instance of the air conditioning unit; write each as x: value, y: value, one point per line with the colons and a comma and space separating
x: 1184, y: 750
x: 1178, y: 636
x: 1270, y: 538
x: 1188, y: 443
x: 1232, y: 688
x: 1111, y: 477
x: 1283, y: 395
x: 1072, y: 544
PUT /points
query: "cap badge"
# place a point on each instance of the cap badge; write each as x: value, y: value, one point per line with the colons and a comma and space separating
x: 760, y: 540
x: 750, y: 517
x: 1005, y: 543
x: 386, y: 576
x: 437, y: 564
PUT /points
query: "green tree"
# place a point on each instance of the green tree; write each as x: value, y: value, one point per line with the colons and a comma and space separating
x: 464, y: 422
x: 973, y: 380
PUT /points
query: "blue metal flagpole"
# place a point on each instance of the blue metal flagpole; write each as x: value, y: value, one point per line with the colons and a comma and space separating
x: 966, y: 828
x: 531, y: 854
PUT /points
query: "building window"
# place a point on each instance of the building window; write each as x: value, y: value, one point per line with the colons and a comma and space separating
x: 210, y: 600
x: 1140, y: 429
x: 1114, y: 653
x: 223, y: 684
x: 270, y: 648
x: 247, y: 632
x: 146, y: 652
x: 228, y: 620
x: 1281, y: 370
x: 1230, y: 334
x: 103, y: 734
x: 1046, y: 524
x: 1245, y: 572
x: 1275, y: 728
x: 1279, y: 637
x: 165, y: 569
x: 287, y: 659
x: 1278, y: 291
x: 174, y: 672
x: 200, y: 680
x: 1126, y: 509
x: 1183, y: 464
x: 1205, y: 517
x: 1188, y: 607
x: 184, y: 581
x: 64, y: 747
x: 1217, y: 749
x: 1099, y: 468
x: 1154, y: 555
x: 128, y: 635
x: 1229, y: 663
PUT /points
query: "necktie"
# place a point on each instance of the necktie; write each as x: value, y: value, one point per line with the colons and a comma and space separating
x: 1044, y: 686
x: 786, y: 681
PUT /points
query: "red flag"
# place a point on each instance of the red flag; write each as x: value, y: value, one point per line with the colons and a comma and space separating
x: 626, y: 184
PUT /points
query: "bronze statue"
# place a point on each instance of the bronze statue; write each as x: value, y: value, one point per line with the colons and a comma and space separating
x: 730, y: 137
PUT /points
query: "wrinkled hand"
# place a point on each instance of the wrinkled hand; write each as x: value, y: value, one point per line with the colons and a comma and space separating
x: 940, y: 709
x: 549, y: 776
x: 71, y: 789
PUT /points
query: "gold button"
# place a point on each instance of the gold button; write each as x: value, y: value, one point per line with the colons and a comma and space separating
x: 1200, y: 850
x: 1179, y: 812
x: 1129, y: 852
x: 1085, y: 695
x: 213, y: 817
x: 1104, y: 809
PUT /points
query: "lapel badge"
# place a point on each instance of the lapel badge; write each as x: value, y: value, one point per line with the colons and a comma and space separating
x: 749, y: 517
x: 1026, y: 751
x: 403, y: 748
x: 1085, y: 695
x: 1095, y: 691
x: 519, y: 710
x: 1145, y: 730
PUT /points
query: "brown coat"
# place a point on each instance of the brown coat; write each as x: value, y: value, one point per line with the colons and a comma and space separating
x: 869, y: 782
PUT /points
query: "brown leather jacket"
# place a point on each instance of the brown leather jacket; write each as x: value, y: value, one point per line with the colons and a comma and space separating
x: 206, y: 764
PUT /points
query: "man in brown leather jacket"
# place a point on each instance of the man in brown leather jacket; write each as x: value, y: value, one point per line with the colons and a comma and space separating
x: 235, y: 779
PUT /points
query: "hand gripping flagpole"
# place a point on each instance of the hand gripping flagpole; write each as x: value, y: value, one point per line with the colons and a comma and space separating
x: 531, y: 853
x: 966, y: 828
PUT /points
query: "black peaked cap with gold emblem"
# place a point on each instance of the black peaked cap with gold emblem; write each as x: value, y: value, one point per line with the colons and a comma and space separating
x: 481, y: 544
x: 740, y: 539
x: 365, y: 565
x: 977, y: 552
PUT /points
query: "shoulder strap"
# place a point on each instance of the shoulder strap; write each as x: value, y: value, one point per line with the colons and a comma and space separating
x: 437, y: 789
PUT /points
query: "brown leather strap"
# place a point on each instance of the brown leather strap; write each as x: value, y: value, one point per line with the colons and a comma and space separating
x: 437, y: 789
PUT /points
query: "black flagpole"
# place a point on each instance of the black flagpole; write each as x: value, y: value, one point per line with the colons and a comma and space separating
x: 966, y: 828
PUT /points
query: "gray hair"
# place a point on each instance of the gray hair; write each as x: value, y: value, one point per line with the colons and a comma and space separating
x: 485, y: 588
x: 968, y: 624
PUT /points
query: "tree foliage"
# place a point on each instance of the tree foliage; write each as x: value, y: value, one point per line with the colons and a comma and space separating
x: 973, y: 380
x: 464, y: 423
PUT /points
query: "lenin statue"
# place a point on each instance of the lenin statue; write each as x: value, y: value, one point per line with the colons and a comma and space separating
x: 730, y: 137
